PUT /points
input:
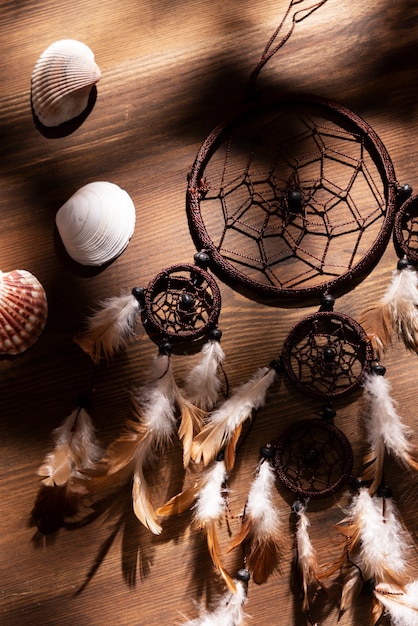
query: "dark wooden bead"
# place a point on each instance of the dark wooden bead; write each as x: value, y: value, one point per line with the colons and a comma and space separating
x: 139, y: 294
x: 379, y: 370
x: 215, y: 334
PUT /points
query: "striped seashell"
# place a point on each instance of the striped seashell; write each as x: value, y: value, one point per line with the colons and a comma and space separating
x: 96, y: 223
x: 62, y: 80
x: 23, y: 311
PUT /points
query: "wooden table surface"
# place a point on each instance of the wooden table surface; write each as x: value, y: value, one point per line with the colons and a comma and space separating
x: 170, y: 72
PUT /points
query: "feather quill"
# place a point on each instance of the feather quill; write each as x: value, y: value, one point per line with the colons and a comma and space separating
x: 225, y: 425
x: 261, y: 526
x: 228, y: 610
x: 202, y: 384
x: 305, y: 553
x: 209, y: 507
x: 377, y: 541
x: 385, y: 431
x: 397, y: 310
x: 110, y: 328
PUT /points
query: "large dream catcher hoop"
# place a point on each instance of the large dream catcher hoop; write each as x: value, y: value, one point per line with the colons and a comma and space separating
x: 293, y: 199
x: 294, y: 202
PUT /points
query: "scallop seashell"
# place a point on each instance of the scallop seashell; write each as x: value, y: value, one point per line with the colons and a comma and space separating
x: 23, y: 311
x: 96, y: 223
x: 62, y: 80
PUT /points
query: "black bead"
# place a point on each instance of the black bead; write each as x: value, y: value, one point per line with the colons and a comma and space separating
x: 404, y: 191
x: 383, y: 491
x: 215, y: 334
x: 327, y: 301
x: 356, y: 483
x: 277, y: 365
x: 294, y: 199
x: 201, y: 259
x: 329, y: 355
x: 267, y: 452
x: 311, y: 457
x: 243, y: 575
x: 139, y: 294
x: 328, y: 413
x: 187, y: 301
x: 165, y: 348
x: 379, y: 370
x: 402, y: 263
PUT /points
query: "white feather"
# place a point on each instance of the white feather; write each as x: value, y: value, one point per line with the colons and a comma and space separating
x: 306, y: 551
x: 228, y: 610
x: 384, y: 541
x: 210, y: 503
x: 401, y: 607
x: 249, y: 397
x: 260, y: 502
x: 157, y: 400
x: 384, y: 425
x: 202, y: 384
x: 111, y: 327
x: 226, y: 421
x: 402, y: 299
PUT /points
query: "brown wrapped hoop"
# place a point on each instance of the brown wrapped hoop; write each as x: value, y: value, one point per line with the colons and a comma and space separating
x: 313, y: 458
x: 326, y: 354
x: 292, y: 199
x: 406, y: 229
x: 182, y: 302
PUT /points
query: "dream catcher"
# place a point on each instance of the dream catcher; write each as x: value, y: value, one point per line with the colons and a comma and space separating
x: 180, y: 305
x: 292, y: 202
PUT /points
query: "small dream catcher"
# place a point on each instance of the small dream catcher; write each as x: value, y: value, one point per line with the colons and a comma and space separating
x: 181, y: 305
x: 290, y: 201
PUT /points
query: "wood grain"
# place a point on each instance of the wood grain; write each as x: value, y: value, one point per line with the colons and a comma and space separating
x: 171, y: 72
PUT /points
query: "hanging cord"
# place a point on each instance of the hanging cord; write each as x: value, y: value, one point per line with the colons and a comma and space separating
x: 269, y: 50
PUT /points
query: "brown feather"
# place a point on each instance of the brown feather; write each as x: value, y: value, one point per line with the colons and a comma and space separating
x: 262, y: 559
x: 214, y: 551
x: 351, y: 588
x: 231, y: 448
x: 377, y: 611
x: 142, y: 504
x: 377, y: 323
x: 191, y: 420
x: 207, y: 443
x: 373, y: 467
x: 179, y: 503
x: 241, y: 535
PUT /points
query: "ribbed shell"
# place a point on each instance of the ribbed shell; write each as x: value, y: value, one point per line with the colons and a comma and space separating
x: 62, y: 80
x: 23, y: 311
x: 96, y: 223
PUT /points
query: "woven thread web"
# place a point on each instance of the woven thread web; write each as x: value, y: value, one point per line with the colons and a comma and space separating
x: 181, y: 303
x: 313, y: 458
x: 250, y: 213
x: 326, y: 356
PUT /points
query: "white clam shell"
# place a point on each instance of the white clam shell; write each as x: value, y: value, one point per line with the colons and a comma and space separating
x: 23, y: 311
x: 62, y: 80
x: 96, y: 223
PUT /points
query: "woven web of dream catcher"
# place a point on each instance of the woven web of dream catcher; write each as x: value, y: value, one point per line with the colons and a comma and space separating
x: 182, y: 302
x: 326, y: 354
x: 313, y: 458
x: 293, y: 198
